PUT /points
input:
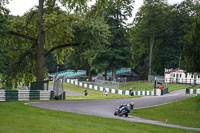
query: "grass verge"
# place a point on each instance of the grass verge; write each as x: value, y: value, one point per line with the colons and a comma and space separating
x: 185, y: 112
x: 92, y: 94
x: 19, y: 118
x: 139, y: 86
x: 173, y: 87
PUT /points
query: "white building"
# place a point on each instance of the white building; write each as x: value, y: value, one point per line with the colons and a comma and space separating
x: 180, y: 76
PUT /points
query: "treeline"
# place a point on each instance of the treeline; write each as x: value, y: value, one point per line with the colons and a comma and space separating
x: 98, y: 39
x: 165, y: 36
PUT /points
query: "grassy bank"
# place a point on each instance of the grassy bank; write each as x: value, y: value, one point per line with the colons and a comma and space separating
x: 92, y: 94
x: 185, y: 112
x: 19, y: 118
x: 140, y: 85
x: 137, y: 85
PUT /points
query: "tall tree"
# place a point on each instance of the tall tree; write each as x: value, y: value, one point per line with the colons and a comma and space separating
x: 154, y: 13
x: 115, y: 13
x: 94, y: 34
x: 146, y: 31
x: 40, y: 43
x: 36, y: 36
x: 192, y: 47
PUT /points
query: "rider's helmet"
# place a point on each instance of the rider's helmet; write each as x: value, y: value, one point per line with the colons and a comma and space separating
x: 132, y: 104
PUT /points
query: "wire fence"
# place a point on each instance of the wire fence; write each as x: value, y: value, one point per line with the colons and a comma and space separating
x: 107, y: 84
x: 137, y: 85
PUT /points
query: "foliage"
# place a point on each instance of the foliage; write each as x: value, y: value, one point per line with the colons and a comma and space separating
x: 115, y: 13
x: 92, y: 34
x: 145, y: 34
x: 171, y: 22
x: 192, y: 47
x: 60, y: 31
x: 98, y: 38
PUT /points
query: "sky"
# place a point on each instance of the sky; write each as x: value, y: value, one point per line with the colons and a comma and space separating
x: 19, y: 7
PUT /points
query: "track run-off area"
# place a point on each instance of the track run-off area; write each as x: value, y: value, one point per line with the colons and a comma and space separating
x: 106, y: 108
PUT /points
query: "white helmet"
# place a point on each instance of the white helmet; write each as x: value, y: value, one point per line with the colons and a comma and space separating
x: 132, y: 104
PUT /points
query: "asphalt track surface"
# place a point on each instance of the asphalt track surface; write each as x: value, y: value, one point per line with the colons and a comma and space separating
x: 106, y: 108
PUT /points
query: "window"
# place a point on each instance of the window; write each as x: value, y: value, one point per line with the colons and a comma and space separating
x: 180, y: 75
x: 198, y: 75
x: 177, y: 75
x: 191, y: 76
x: 186, y: 75
x: 174, y: 75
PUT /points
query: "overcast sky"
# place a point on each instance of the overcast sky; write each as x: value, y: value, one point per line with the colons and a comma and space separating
x: 19, y: 7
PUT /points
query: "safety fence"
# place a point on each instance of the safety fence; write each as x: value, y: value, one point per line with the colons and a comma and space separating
x: 25, y: 95
x: 192, y: 91
x: 155, y: 92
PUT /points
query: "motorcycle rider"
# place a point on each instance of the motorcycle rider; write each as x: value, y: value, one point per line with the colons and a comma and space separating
x: 128, y: 109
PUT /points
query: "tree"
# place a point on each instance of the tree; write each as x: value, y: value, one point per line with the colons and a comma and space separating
x: 154, y: 18
x: 29, y: 42
x: 115, y: 13
x: 94, y: 34
x: 115, y: 52
x: 146, y: 30
x: 172, y: 22
x: 192, y: 47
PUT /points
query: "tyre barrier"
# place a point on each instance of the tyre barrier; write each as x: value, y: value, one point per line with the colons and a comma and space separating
x: 155, y: 92
x: 25, y: 95
x: 192, y: 91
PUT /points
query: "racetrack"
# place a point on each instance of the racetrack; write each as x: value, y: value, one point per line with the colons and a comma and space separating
x: 106, y: 108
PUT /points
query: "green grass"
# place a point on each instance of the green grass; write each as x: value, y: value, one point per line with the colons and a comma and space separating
x: 141, y: 85
x: 92, y: 94
x: 137, y: 85
x: 185, y: 112
x: 173, y: 87
x: 19, y: 118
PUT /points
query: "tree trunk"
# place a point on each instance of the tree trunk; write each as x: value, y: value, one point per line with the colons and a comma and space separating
x: 89, y: 75
x: 150, y: 52
x: 40, y: 44
x: 105, y: 74
x: 114, y: 73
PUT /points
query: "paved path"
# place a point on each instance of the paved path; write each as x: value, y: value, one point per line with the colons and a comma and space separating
x: 106, y: 108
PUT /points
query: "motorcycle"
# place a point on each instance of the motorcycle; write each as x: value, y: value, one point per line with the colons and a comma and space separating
x: 122, y: 110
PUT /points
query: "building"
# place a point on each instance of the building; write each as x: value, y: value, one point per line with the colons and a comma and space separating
x: 180, y: 76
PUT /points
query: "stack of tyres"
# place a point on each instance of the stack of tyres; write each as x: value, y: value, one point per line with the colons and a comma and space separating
x: 11, y: 95
x: 52, y: 95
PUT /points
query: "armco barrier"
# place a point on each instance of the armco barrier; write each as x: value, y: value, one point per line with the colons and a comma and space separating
x: 25, y: 95
x: 192, y: 91
x: 156, y: 92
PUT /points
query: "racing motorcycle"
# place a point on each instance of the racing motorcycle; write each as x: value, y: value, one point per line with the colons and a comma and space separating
x: 124, y: 110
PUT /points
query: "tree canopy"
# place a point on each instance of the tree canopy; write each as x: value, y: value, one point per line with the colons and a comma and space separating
x: 158, y: 32
x: 97, y: 38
